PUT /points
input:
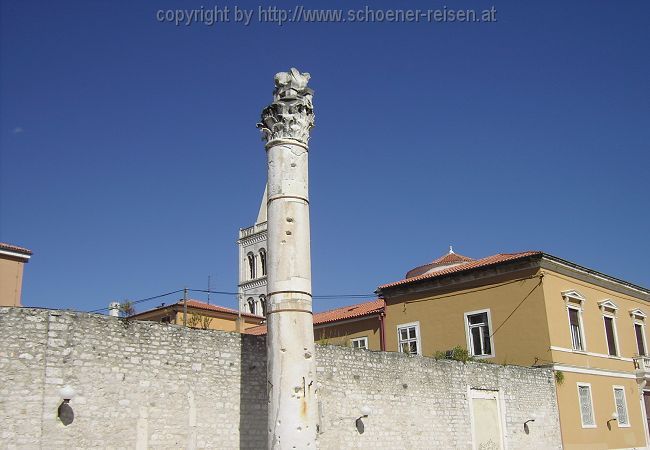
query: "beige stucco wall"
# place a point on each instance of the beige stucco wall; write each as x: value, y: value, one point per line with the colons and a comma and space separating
x: 219, y: 321
x: 575, y: 437
x: 596, y: 359
x: 520, y: 331
x: 593, y: 325
x: 11, y: 281
x: 343, y: 333
x: 536, y: 330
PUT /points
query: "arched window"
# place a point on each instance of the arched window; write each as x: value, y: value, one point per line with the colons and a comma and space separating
x: 251, y: 305
x: 263, y: 305
x: 263, y: 261
x: 251, y: 266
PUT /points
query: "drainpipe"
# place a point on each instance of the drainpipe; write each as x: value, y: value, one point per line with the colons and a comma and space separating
x: 291, y: 370
x: 185, y: 307
x: 382, y: 332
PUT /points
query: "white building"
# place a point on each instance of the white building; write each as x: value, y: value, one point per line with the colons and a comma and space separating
x: 252, y: 264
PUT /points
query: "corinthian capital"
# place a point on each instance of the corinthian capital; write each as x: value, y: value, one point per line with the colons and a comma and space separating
x: 291, y: 115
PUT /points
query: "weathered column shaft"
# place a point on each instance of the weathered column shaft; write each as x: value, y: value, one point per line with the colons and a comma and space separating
x: 290, y: 340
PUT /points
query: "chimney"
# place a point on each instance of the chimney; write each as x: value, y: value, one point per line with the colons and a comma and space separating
x: 114, y: 309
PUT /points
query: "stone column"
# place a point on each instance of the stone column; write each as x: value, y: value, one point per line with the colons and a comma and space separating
x: 291, y: 368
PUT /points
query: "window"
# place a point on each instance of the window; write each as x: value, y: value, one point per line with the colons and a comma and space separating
x: 638, y: 318
x: 621, y: 406
x: 477, y: 327
x: 262, y: 305
x: 610, y: 334
x: 251, y: 305
x: 609, y: 309
x: 574, y: 301
x: 639, y: 332
x: 586, y: 406
x: 263, y: 261
x: 361, y: 342
x: 251, y: 266
x: 575, y: 324
x: 408, y: 338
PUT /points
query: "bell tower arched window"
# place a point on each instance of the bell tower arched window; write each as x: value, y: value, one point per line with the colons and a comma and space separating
x: 263, y: 305
x: 251, y: 266
x: 251, y: 305
x: 263, y: 261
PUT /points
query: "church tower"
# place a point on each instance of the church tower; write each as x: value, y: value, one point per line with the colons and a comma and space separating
x: 252, y: 264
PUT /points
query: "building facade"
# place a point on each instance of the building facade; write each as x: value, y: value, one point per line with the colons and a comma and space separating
x: 252, y: 264
x: 534, y: 309
x: 356, y: 326
x: 198, y: 314
x: 12, y: 262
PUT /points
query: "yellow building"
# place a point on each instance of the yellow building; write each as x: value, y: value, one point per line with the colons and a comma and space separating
x: 12, y: 260
x: 356, y: 326
x: 197, y: 314
x: 532, y: 308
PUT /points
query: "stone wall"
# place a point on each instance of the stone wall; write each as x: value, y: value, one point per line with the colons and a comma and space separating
x: 152, y: 385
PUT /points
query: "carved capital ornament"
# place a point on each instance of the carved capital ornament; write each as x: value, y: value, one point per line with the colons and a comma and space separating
x: 291, y: 115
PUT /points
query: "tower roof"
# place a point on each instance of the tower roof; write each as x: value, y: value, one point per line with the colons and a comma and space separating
x: 445, y: 261
x: 261, y: 215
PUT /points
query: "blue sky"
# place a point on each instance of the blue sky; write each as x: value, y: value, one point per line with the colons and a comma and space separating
x: 129, y: 154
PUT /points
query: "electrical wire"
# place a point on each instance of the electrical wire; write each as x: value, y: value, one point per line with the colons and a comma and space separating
x: 323, y: 296
x: 142, y: 300
x: 209, y: 291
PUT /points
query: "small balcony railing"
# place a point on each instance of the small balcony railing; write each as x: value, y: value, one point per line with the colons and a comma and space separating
x: 245, y: 232
x: 642, y: 364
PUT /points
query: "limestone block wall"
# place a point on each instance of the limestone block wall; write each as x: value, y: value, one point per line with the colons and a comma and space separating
x: 150, y: 385
x: 421, y: 403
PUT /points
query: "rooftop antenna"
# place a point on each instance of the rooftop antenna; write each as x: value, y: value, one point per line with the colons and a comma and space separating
x: 208, y: 289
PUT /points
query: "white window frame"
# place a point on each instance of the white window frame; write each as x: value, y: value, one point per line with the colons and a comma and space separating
x: 615, y: 331
x: 575, y: 300
x: 582, y: 328
x: 468, y: 336
x: 627, y: 412
x: 645, y: 343
x: 417, y: 336
x: 591, y: 401
x: 638, y: 318
x: 363, y: 339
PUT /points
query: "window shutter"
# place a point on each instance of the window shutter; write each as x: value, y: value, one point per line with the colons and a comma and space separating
x: 638, y: 329
x: 621, y: 409
x: 585, y: 405
x: 609, y: 332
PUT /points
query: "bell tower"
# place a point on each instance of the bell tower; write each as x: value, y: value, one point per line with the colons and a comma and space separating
x: 252, y: 244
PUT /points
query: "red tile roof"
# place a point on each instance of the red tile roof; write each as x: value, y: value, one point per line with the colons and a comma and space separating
x: 335, y: 315
x: 15, y: 248
x: 205, y: 306
x: 475, y: 264
x: 202, y: 305
x: 445, y: 260
x: 349, y: 312
x: 259, y: 330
